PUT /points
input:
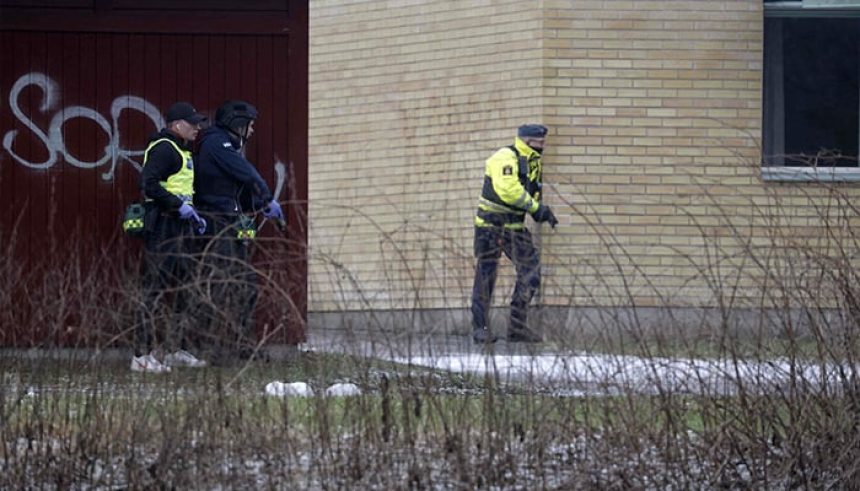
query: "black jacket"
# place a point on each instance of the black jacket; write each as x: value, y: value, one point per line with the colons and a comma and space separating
x: 162, y: 162
x: 224, y: 180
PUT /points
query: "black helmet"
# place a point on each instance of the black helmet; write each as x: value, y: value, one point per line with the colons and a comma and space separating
x: 234, y: 115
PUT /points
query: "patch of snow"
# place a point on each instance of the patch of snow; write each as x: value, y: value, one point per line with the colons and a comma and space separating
x: 343, y: 390
x: 635, y: 373
x: 294, y: 389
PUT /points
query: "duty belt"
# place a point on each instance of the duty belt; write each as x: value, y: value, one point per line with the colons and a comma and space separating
x: 182, y: 197
x: 500, y: 219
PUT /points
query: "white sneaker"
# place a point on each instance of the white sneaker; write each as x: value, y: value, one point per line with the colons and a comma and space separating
x: 183, y: 358
x: 148, y: 364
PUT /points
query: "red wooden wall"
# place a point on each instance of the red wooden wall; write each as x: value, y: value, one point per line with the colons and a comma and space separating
x: 84, y: 83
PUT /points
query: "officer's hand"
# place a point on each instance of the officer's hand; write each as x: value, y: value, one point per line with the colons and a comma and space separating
x: 273, y: 211
x: 187, y: 212
x: 553, y: 221
x: 545, y: 214
x: 201, y: 226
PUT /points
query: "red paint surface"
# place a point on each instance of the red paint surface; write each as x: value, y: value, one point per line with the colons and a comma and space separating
x: 105, y: 54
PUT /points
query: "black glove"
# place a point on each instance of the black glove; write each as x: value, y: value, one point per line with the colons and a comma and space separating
x: 544, y: 214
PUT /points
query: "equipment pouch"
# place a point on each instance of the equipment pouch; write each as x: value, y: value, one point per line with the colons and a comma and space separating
x: 132, y: 221
x: 246, y: 229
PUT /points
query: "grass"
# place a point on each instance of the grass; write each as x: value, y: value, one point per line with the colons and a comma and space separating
x: 68, y: 423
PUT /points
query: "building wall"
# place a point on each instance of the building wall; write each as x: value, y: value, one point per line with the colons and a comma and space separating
x: 658, y: 110
x: 407, y: 99
x: 83, y: 85
x: 652, y: 161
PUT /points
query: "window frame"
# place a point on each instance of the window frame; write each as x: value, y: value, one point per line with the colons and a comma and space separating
x: 812, y: 9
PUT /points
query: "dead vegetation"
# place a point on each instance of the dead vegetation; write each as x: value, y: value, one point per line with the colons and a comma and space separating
x: 776, y: 290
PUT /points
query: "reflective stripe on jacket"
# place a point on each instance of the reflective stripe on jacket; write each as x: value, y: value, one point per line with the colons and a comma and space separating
x: 512, y: 181
x: 180, y: 184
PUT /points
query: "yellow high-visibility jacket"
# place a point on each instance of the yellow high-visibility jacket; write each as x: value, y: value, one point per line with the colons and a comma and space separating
x: 512, y: 184
x: 181, y: 183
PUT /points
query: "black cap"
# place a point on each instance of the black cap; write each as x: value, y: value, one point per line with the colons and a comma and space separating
x: 184, y: 110
x: 532, y: 130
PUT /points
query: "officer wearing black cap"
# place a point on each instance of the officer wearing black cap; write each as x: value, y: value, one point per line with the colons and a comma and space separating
x: 227, y: 188
x: 512, y: 188
x: 167, y: 182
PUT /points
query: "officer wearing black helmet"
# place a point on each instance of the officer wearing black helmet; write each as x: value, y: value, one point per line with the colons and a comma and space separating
x: 225, y: 182
x: 226, y: 188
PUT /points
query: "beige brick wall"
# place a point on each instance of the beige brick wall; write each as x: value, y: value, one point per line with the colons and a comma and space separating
x: 655, y: 116
x: 407, y: 100
x: 658, y: 108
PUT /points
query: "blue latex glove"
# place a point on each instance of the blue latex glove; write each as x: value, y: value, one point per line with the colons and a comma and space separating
x: 201, y: 226
x: 273, y: 211
x: 187, y: 212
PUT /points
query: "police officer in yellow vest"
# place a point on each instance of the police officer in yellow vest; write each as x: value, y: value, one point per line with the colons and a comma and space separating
x: 512, y: 188
x: 167, y: 181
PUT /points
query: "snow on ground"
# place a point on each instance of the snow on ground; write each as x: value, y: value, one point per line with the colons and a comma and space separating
x: 295, y: 389
x: 648, y: 375
x: 586, y: 373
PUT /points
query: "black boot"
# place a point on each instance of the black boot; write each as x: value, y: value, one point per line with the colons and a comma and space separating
x: 483, y: 336
x: 523, y: 335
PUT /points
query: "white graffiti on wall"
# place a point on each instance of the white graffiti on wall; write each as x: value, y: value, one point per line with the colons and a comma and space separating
x: 54, y: 140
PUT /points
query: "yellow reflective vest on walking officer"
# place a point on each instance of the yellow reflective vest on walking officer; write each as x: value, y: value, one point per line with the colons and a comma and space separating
x: 512, y: 183
x: 180, y: 184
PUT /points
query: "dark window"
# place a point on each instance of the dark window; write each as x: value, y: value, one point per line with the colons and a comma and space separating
x: 812, y: 89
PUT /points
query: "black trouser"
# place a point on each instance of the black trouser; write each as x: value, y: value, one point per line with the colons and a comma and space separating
x: 165, y: 273
x: 517, y: 245
x: 230, y: 284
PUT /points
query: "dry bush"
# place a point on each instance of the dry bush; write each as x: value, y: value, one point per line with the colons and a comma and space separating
x: 759, y: 391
